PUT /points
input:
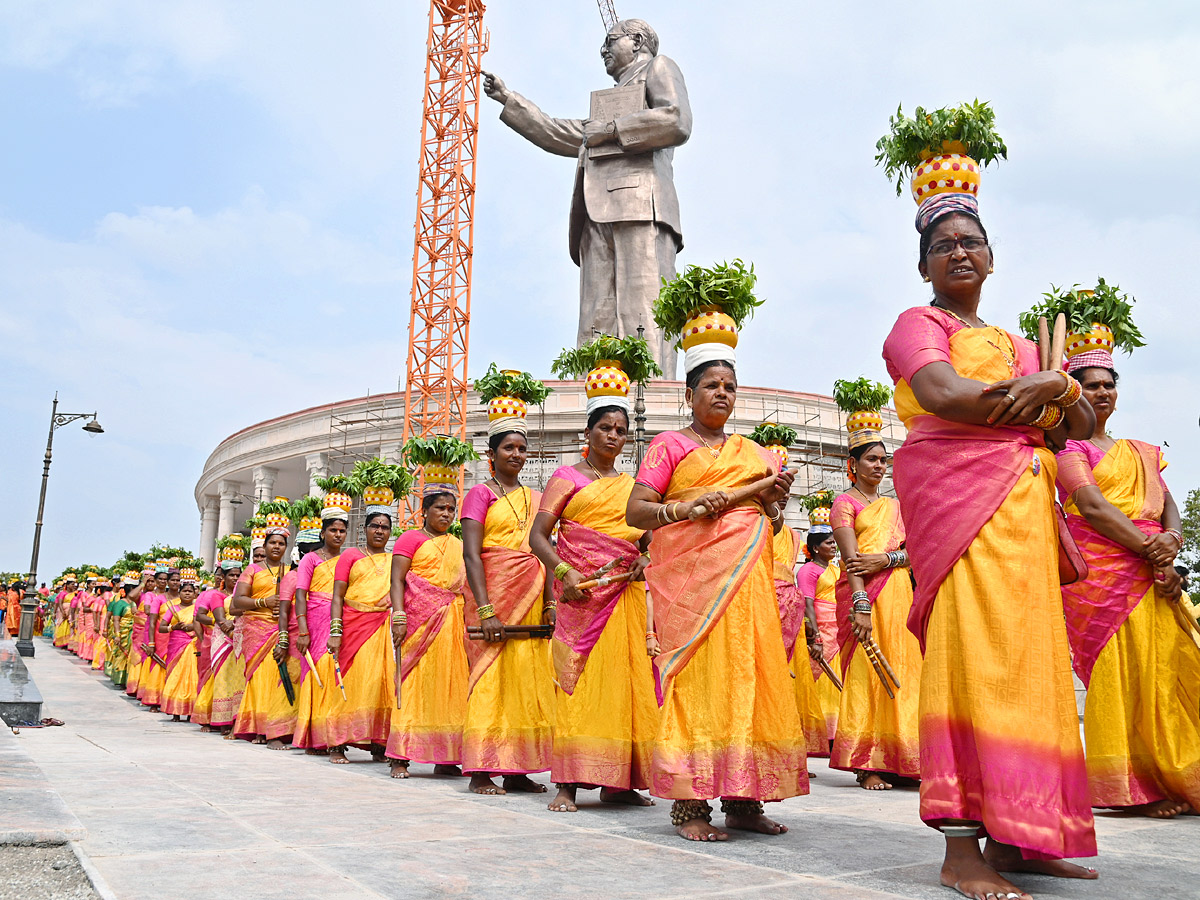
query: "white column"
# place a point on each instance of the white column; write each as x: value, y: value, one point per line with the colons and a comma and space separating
x: 317, y: 465
x: 208, y: 530
x: 264, y: 484
x: 225, y: 515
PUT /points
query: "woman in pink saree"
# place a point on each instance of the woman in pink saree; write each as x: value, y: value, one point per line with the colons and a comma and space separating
x: 1141, y: 723
x: 976, y: 489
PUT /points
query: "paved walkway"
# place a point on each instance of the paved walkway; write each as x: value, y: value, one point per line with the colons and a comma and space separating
x: 173, y: 813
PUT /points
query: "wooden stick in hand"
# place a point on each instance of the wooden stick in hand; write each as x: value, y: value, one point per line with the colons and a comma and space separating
x: 1043, y: 344
x: 739, y: 495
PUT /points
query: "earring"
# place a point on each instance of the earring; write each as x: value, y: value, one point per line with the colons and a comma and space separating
x: 925, y: 278
x: 991, y: 269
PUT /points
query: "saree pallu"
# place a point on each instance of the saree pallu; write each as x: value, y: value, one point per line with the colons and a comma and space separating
x: 825, y: 609
x: 1141, y: 720
x: 312, y: 699
x: 606, y: 714
x: 427, y: 728
x: 179, y: 691
x: 999, y: 727
x: 85, y: 620
x: 154, y: 676
x: 792, y: 625
x: 729, y: 724
x: 228, y: 678
x: 366, y: 658
x: 875, y: 732
x: 508, y: 727
x: 265, y: 709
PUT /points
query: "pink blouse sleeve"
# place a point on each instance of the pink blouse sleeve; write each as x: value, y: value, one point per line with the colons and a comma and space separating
x: 287, y: 586
x: 843, y: 514
x: 920, y: 336
x: 409, y: 543
x: 666, y: 451
x: 559, y: 490
x: 477, y: 502
x: 345, y: 563
x: 304, y: 574
x: 807, y: 578
x: 247, y: 576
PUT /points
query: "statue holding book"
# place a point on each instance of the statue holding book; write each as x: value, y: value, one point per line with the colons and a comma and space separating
x: 624, y: 227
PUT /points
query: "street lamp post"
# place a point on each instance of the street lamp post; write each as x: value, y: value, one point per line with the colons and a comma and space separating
x: 29, y: 601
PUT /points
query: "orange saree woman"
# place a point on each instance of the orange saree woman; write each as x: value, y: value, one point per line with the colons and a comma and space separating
x: 729, y: 727
x: 313, y: 699
x: 179, y: 691
x: 510, y: 704
x: 427, y: 728
x: 877, y: 733
x: 363, y: 651
x: 1142, y: 671
x: 265, y: 713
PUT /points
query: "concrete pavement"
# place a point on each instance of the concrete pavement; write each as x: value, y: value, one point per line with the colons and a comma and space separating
x: 173, y: 813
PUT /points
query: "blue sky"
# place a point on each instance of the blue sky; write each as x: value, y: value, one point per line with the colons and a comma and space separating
x: 206, y: 209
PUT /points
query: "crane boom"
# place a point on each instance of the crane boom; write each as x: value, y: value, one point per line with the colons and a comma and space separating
x: 608, y: 13
x: 440, y: 313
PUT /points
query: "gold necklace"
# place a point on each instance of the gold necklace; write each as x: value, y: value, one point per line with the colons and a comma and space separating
x: 864, y: 494
x: 714, y: 451
x: 371, y: 557
x: 520, y: 521
x: 982, y: 324
x: 597, y: 471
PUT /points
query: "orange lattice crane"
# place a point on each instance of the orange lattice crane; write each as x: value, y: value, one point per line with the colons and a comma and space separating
x: 436, y: 376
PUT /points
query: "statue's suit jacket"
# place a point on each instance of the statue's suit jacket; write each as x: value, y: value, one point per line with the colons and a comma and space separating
x: 639, y: 184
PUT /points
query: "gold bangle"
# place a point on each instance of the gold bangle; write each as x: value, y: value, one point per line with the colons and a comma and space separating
x: 1071, y: 393
x: 1049, y: 417
x: 487, y: 611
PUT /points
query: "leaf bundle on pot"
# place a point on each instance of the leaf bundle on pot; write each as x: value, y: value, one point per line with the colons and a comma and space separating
x: 331, y: 483
x: 306, y: 507
x: 523, y: 386
x: 274, y: 507
x: 375, y: 473
x: 860, y: 394
x: 440, y: 450
x: 771, y: 433
x: 633, y: 353
x: 913, y: 139
x: 817, y: 500
x: 728, y: 286
x: 1105, y: 304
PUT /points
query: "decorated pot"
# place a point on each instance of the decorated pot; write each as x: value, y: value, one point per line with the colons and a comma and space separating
x: 865, y: 427
x: 278, y: 520
x: 378, y: 496
x: 780, y: 452
x: 187, y: 575
x: 709, y: 326
x: 1100, y: 337
x: 819, y: 516
x: 435, y: 473
x: 258, y: 533
x: 310, y: 522
x: 233, y: 553
x: 506, y: 407
x: 338, y: 500
x: 608, y: 379
x: 944, y: 171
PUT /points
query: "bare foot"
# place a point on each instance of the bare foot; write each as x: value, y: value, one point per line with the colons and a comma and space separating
x: 628, y: 798
x: 317, y: 751
x: 443, y: 769
x: 564, y: 800
x: 277, y: 744
x: 378, y: 753
x: 699, y: 830
x: 226, y: 729
x: 522, y: 784
x: 1007, y: 858
x: 337, y: 756
x: 399, y: 768
x: 1161, y: 809
x: 481, y: 783
x: 755, y: 822
x: 869, y: 781
x: 974, y: 878
x: 228, y: 735
x: 259, y: 739
x: 205, y: 729
x: 174, y: 718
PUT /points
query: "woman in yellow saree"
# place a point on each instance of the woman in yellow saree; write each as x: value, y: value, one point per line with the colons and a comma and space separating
x: 877, y: 734
x: 816, y: 581
x: 360, y: 660
x: 510, y: 702
x: 177, y: 621
x: 265, y: 716
x: 730, y: 727
x: 1141, y: 723
x: 606, y: 714
x: 427, y: 582
x: 975, y: 484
